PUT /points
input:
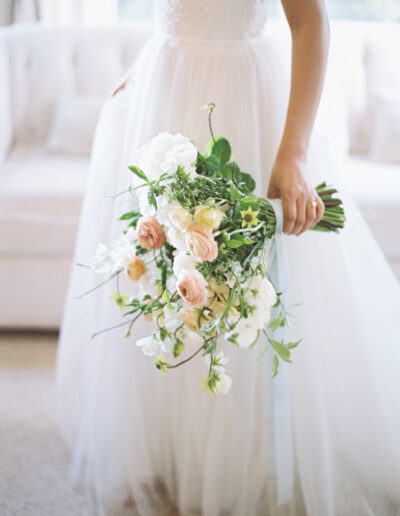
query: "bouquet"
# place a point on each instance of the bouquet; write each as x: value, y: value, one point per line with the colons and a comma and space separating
x: 196, y: 242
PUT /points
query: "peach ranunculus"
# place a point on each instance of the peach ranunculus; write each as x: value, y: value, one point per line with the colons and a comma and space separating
x: 135, y: 269
x: 200, y: 243
x: 150, y: 233
x: 208, y: 216
x: 192, y: 286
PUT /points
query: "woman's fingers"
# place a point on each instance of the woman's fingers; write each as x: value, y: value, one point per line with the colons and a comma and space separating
x: 301, y: 216
x: 289, y: 214
x: 320, y: 209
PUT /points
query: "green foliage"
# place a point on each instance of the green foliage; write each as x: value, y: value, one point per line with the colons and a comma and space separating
x: 138, y: 172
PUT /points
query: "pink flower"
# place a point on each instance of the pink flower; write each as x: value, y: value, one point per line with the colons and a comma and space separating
x: 150, y: 233
x: 200, y: 243
x: 192, y: 286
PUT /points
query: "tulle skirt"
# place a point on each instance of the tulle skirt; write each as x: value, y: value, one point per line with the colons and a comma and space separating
x: 161, y: 442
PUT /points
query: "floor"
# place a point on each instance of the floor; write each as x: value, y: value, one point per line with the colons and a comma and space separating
x: 34, y: 460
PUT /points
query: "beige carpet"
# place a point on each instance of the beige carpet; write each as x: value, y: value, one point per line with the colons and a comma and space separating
x: 33, y: 459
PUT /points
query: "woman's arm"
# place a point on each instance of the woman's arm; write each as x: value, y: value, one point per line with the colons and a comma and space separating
x: 310, y: 41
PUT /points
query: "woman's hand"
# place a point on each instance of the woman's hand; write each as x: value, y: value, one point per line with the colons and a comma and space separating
x: 287, y: 183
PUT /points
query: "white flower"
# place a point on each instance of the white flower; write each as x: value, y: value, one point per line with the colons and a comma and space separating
x: 183, y: 261
x: 172, y: 319
x: 147, y: 286
x: 190, y: 338
x: 176, y: 238
x: 181, y: 155
x: 102, y: 262
x: 123, y: 249
x: 151, y: 346
x: 236, y: 271
x: 220, y: 360
x: 180, y: 217
x: 167, y: 345
x: 224, y: 383
x: 162, y: 209
x: 164, y: 153
x: 246, y: 332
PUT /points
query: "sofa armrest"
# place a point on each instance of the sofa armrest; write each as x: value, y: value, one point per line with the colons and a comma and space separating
x: 6, y: 126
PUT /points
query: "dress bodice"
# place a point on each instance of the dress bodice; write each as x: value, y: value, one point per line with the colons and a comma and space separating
x: 211, y: 19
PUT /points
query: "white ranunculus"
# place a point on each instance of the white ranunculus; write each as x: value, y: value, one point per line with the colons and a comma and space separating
x: 183, y: 261
x: 102, y: 262
x: 151, y: 346
x: 176, y: 238
x: 179, y: 216
x: 224, y: 383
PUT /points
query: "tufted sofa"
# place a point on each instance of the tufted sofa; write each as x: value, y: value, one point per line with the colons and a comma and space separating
x: 41, y: 192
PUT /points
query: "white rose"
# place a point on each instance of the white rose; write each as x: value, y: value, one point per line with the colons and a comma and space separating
x: 224, y: 383
x: 183, y: 261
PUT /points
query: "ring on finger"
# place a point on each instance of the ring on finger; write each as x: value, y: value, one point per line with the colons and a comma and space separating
x: 312, y: 204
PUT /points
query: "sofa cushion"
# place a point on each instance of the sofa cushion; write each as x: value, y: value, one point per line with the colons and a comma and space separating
x: 73, y: 125
x: 40, y: 198
x: 376, y: 189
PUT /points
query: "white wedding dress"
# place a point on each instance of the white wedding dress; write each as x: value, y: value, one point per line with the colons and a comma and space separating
x: 161, y: 441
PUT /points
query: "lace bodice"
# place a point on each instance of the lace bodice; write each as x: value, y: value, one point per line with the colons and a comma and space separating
x: 211, y: 19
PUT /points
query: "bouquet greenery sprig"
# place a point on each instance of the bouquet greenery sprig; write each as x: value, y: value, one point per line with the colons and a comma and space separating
x: 196, y: 242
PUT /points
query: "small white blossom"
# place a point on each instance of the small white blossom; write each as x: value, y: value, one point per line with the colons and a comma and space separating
x: 102, y: 262
x: 151, y: 346
x: 224, y: 383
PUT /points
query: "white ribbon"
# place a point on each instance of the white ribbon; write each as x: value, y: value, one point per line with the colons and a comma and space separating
x: 279, y: 418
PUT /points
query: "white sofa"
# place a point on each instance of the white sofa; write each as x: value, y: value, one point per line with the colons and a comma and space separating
x: 41, y: 192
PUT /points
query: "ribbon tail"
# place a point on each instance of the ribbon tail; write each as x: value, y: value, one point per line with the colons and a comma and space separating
x: 279, y: 413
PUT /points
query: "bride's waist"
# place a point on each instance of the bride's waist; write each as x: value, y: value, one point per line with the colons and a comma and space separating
x: 206, y: 39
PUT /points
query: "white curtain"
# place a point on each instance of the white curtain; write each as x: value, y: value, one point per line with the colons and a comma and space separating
x: 67, y: 12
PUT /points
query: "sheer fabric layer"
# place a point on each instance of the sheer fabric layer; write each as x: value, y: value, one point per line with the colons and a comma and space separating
x: 160, y: 439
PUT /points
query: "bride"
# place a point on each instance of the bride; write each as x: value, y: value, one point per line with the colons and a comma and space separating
x: 158, y: 444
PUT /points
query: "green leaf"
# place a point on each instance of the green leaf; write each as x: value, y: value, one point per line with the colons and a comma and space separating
x: 235, y: 194
x: 129, y: 215
x: 138, y: 172
x: 291, y: 345
x: 275, y: 366
x: 166, y: 295
x: 179, y: 346
x: 152, y: 198
x: 275, y: 322
x: 234, y: 244
x: 281, y: 350
x: 219, y: 147
x: 246, y: 183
